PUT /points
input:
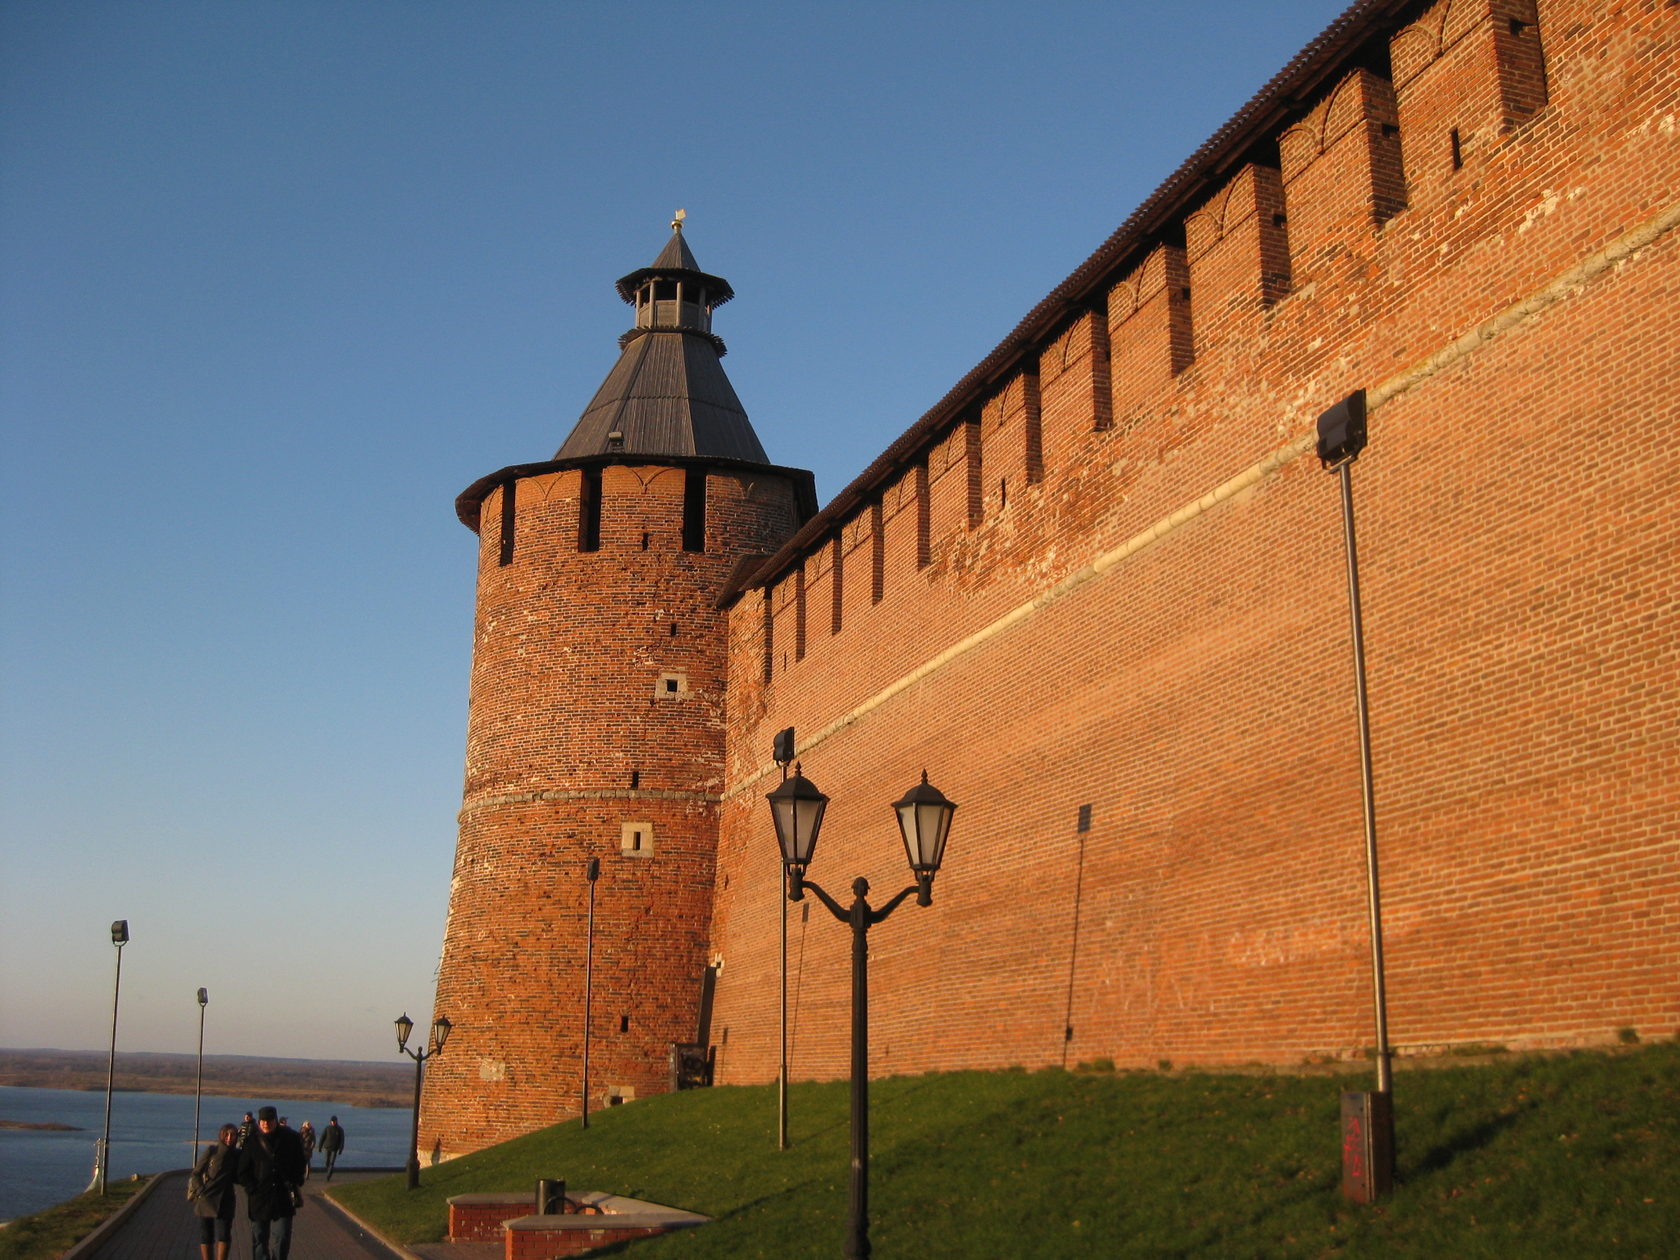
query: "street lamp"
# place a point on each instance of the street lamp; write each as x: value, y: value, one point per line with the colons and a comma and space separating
x: 924, y: 821
x: 198, y: 1088
x: 1367, y: 1119
x: 591, y: 872
x: 119, y: 938
x: 440, y: 1034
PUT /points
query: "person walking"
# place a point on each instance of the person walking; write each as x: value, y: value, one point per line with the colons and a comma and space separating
x: 271, y: 1170
x: 247, y: 1126
x: 306, y: 1135
x: 217, y: 1171
x: 332, y: 1145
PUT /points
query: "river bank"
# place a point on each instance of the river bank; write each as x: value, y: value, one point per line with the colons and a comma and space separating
x: 361, y: 1083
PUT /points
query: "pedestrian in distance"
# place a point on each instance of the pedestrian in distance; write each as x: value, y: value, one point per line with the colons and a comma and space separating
x: 214, y: 1177
x: 332, y: 1145
x: 247, y: 1126
x: 271, y: 1170
x: 306, y: 1135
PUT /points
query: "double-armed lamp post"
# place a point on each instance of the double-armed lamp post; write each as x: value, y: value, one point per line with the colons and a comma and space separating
x: 440, y: 1034
x: 924, y: 821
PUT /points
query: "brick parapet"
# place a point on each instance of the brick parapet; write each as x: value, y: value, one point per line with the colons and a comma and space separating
x: 1155, y: 623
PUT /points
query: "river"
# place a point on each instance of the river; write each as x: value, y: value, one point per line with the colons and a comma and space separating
x: 153, y: 1133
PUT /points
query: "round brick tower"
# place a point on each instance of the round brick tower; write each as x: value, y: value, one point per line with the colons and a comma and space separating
x: 596, y: 729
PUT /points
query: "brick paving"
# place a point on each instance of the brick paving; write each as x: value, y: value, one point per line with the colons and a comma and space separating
x: 161, y: 1226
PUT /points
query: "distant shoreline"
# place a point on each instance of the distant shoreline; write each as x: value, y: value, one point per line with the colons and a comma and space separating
x: 49, y: 1126
x: 230, y: 1076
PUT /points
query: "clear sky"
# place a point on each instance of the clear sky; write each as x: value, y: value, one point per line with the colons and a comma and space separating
x: 278, y: 280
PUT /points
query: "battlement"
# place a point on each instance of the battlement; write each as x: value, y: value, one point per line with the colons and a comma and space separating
x: 1101, y: 573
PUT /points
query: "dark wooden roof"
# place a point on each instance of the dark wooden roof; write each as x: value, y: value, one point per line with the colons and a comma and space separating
x: 666, y: 395
x: 676, y: 262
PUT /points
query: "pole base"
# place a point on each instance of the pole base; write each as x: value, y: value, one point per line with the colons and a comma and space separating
x: 1367, y: 1146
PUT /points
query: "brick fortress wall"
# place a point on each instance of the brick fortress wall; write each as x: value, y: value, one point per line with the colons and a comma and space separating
x: 595, y: 730
x: 1113, y: 577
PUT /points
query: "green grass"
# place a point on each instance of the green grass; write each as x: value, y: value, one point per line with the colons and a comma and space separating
x: 54, y: 1231
x: 1530, y: 1156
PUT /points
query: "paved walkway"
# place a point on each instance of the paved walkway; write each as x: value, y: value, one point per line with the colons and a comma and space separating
x: 162, y: 1227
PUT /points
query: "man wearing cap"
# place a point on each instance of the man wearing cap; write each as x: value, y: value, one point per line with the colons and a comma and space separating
x: 271, y: 1168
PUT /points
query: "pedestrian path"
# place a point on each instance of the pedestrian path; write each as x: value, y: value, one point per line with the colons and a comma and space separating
x: 163, y: 1227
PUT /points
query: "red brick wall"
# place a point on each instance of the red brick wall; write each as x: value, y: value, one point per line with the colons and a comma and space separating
x: 1158, y: 628
x: 572, y: 734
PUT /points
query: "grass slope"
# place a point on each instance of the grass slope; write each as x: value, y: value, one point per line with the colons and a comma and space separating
x: 54, y: 1231
x: 1535, y: 1156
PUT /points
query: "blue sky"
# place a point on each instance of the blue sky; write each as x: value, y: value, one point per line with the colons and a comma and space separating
x: 278, y: 280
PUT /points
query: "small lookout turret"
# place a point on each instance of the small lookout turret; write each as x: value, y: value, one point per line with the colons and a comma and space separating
x: 668, y: 394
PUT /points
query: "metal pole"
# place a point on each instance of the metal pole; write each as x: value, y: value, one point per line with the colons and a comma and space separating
x: 110, y: 1077
x: 782, y: 1074
x: 593, y: 869
x: 414, y: 1143
x: 1384, y: 1067
x: 198, y: 1086
x: 857, y: 1232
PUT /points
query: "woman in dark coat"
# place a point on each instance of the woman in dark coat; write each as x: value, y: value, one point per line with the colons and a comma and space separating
x: 218, y: 1172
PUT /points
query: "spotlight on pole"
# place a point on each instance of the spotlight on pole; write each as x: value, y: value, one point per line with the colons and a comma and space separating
x: 119, y: 938
x: 591, y: 872
x: 198, y: 1086
x: 1367, y: 1118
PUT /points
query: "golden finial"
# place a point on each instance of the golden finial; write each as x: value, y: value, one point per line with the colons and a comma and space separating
x: 676, y: 223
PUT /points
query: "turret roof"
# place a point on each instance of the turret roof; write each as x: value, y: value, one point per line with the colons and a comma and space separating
x: 668, y: 394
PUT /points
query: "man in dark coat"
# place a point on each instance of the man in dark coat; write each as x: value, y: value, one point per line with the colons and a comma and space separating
x: 271, y: 1167
x: 332, y: 1144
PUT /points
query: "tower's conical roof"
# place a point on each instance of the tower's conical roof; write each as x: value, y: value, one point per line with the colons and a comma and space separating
x: 667, y: 394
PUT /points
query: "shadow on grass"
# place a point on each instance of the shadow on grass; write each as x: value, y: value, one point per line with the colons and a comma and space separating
x: 1468, y: 1141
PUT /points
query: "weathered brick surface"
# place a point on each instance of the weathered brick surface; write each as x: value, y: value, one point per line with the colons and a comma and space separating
x: 597, y: 701
x: 1517, y: 521
x: 1116, y: 580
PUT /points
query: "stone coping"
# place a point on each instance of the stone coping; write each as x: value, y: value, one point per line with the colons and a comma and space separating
x: 617, y: 1212
x: 489, y: 1197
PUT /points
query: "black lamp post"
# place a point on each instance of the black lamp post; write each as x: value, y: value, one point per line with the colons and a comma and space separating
x: 198, y: 1086
x: 1367, y: 1119
x: 440, y: 1034
x: 119, y: 938
x: 924, y: 820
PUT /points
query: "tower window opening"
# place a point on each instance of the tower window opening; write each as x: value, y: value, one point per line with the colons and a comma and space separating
x: 694, y: 510
x: 646, y: 538
x: 623, y: 1023
x: 673, y: 629
x: 635, y: 779
x: 508, y: 516
x: 635, y: 839
x: 1457, y: 150
x: 589, y: 511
